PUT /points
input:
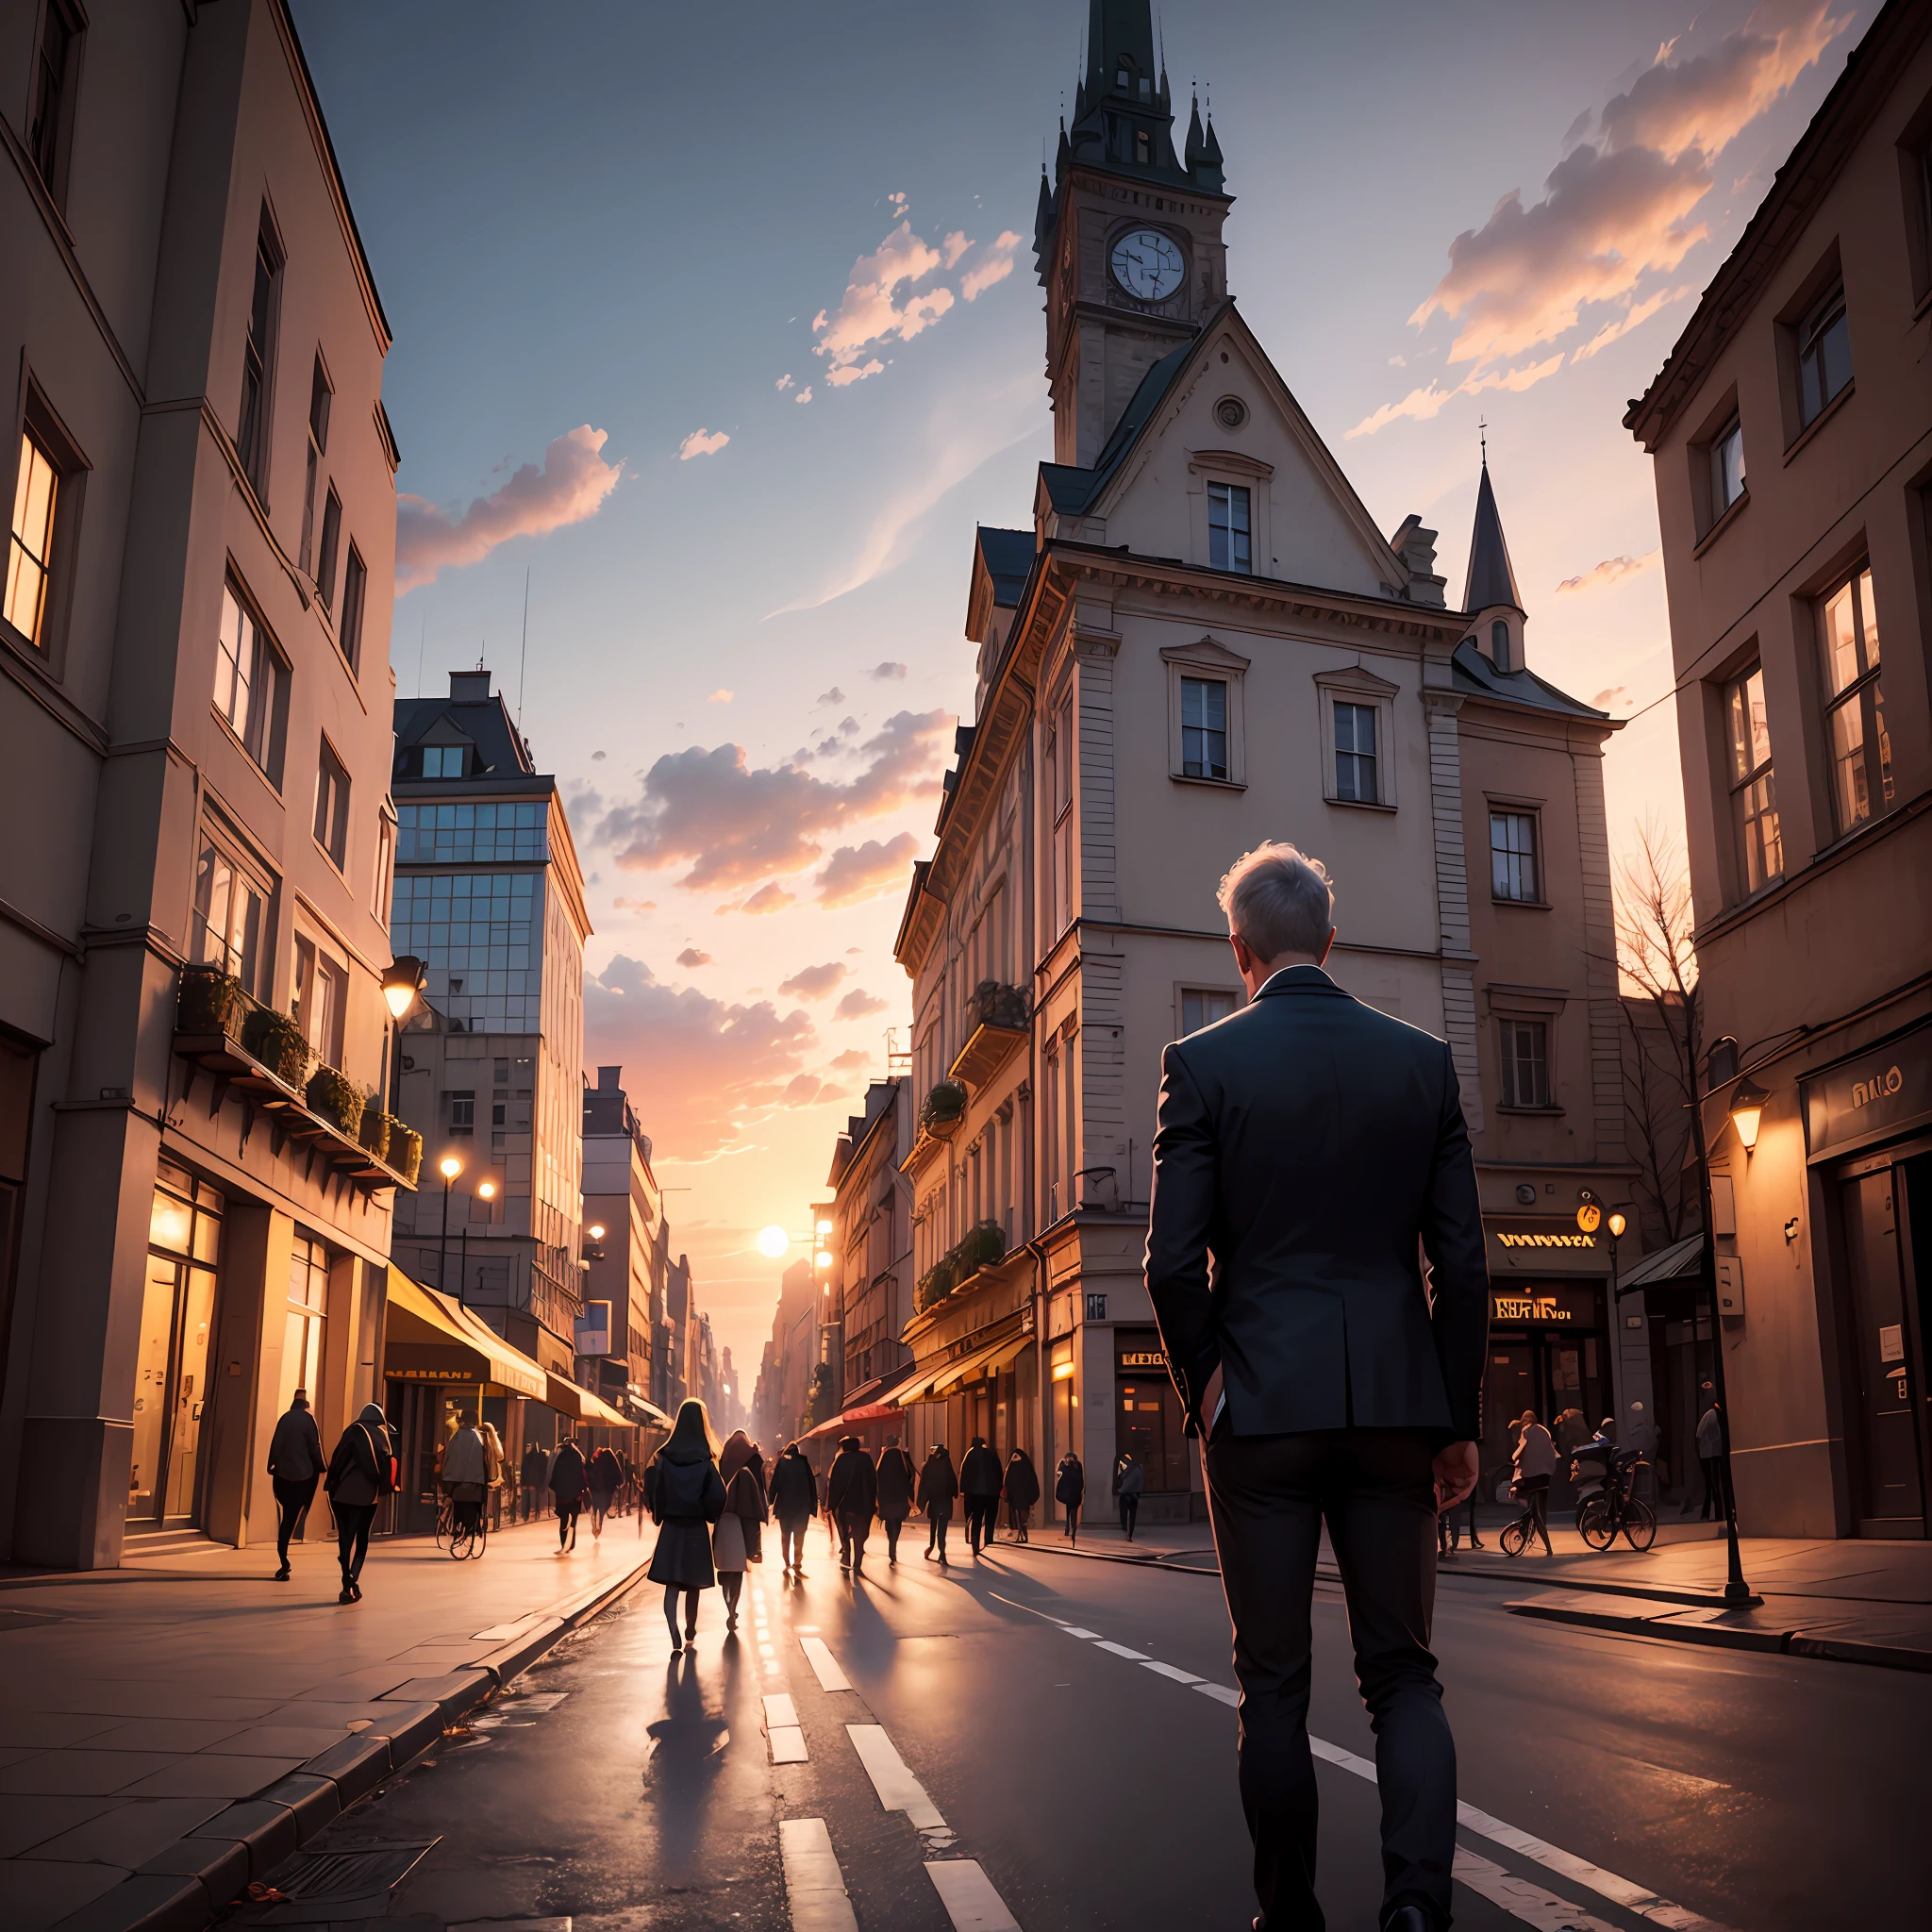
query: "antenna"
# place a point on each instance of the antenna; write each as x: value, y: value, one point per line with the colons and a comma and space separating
x: 524, y: 654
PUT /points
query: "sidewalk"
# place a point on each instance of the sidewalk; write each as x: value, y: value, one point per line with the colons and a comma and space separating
x: 174, y: 1729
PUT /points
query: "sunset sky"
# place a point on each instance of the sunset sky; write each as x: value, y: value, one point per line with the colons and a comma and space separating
x: 722, y: 325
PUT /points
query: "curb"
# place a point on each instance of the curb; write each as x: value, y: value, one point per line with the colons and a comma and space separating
x: 1695, y: 1599
x: 187, y: 1885
x: 1064, y: 1549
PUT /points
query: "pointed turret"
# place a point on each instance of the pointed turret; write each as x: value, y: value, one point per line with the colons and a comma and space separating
x: 1489, y: 593
x: 1196, y: 147
x: 1043, y: 218
x: 1211, y: 174
x: 1123, y: 107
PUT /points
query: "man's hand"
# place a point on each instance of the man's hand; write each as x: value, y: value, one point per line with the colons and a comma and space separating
x: 1455, y: 1469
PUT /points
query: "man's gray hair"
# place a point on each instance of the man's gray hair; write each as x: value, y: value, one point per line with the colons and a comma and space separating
x: 1279, y: 901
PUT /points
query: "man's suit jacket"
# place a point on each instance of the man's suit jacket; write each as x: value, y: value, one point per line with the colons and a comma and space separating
x: 1308, y: 1143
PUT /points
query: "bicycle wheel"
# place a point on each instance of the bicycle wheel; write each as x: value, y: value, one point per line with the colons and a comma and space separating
x: 462, y: 1538
x: 1596, y: 1525
x: 443, y: 1527
x: 1515, y: 1535
x: 1639, y: 1523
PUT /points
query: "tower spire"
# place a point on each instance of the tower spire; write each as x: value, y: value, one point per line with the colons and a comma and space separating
x: 1492, y: 583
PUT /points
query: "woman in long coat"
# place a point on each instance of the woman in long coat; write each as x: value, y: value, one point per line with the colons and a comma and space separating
x: 897, y: 1483
x: 570, y: 1476
x: 1022, y: 1490
x: 938, y: 1486
x: 1070, y: 1491
x: 606, y: 1475
x: 794, y: 1497
x: 738, y: 1540
x: 687, y: 1497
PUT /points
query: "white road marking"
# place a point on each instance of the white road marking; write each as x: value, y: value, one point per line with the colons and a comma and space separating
x: 779, y: 1709
x: 824, y: 1666
x: 814, y: 1886
x: 968, y: 1898
x: 1521, y: 1899
x: 1133, y: 1656
x: 1181, y: 1676
x: 1219, y: 1693
x: 1075, y: 1630
x: 788, y: 1744
x: 898, y: 1790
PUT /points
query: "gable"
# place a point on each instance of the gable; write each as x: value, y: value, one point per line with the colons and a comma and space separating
x: 1223, y: 415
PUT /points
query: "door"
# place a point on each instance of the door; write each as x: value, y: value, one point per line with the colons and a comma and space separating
x: 170, y: 1391
x: 1888, y: 1496
x: 1149, y: 1424
x: 146, y: 1480
x: 1508, y: 1389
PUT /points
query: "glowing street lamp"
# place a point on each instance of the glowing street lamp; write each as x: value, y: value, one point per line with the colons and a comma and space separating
x: 1747, y: 1110
x: 449, y: 1167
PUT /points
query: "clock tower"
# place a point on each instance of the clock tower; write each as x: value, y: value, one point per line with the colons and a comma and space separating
x: 1127, y: 238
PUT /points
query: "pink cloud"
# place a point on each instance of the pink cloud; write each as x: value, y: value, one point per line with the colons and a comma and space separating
x: 879, y: 305
x: 814, y: 982
x: 1612, y: 569
x: 855, y: 872
x: 571, y: 487
x: 857, y: 1005
x: 996, y: 263
x: 702, y: 443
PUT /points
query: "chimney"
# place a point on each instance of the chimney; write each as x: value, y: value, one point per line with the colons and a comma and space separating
x: 469, y: 687
x: 610, y: 1079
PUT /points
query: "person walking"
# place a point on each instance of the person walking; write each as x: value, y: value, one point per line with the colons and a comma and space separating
x: 531, y: 1478
x: 1130, y: 1479
x: 1022, y: 1491
x: 1710, y: 1461
x: 938, y: 1486
x: 979, y: 1491
x: 1532, y: 1465
x: 604, y: 1475
x: 465, y: 1473
x: 896, y: 1481
x: 569, y: 1478
x: 294, y: 1465
x: 360, y: 1474
x: 852, y: 1490
x: 793, y: 1494
x: 1316, y: 1148
x: 1070, y: 1491
x: 686, y: 1496
x: 493, y: 1456
x: 738, y: 1540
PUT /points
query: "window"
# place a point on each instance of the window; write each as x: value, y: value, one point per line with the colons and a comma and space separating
x: 1825, y: 355
x: 1754, y: 790
x: 354, y: 593
x: 332, y: 807
x: 302, y: 1355
x: 479, y: 936
x: 30, y: 548
x: 442, y: 761
x: 1059, y: 754
x: 318, y: 1001
x: 1513, y: 856
x: 1861, y: 776
x: 251, y: 683
x: 1526, y: 1062
x: 1354, y: 753
x: 1143, y: 147
x: 463, y: 1111
x: 1203, y: 728
x: 385, y: 866
x: 1201, y: 1009
x: 325, y: 559
x: 53, y: 84
x: 1499, y: 644
x: 231, y: 927
x: 257, y: 363
x: 1229, y: 527
x: 471, y: 834
x: 320, y: 396
x: 1727, y: 468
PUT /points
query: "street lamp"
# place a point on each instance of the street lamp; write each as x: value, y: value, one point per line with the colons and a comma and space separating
x: 402, y: 985
x: 1747, y: 1110
x: 449, y: 1167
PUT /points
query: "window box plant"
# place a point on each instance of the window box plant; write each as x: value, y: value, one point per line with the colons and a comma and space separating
x: 211, y: 1002
x: 276, y: 1042
x: 935, y: 1285
x: 405, y: 1150
x: 336, y: 1100
x: 942, y: 1110
x: 375, y: 1131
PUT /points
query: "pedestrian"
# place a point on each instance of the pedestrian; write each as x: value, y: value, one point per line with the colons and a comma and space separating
x: 896, y: 1481
x: 569, y: 1478
x: 493, y: 1456
x: 852, y: 1489
x: 687, y: 1497
x: 536, y: 1468
x: 604, y: 1475
x: 1070, y: 1491
x: 1532, y: 1465
x: 979, y: 1493
x: 295, y: 1465
x: 1318, y: 1148
x: 738, y: 1540
x: 1022, y: 1490
x: 1130, y: 1479
x: 360, y: 1474
x: 1710, y: 1461
x: 465, y: 1473
x: 793, y: 1494
x: 938, y: 1486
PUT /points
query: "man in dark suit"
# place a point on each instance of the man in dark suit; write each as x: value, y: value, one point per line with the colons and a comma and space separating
x: 1315, y: 1149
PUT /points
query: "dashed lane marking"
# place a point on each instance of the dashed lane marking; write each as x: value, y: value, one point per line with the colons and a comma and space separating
x: 969, y: 1897
x: 780, y: 1710
x: 1521, y: 1900
x: 1162, y: 1670
x: 788, y: 1744
x: 1133, y: 1656
x: 898, y: 1790
x: 814, y: 1886
x: 824, y: 1666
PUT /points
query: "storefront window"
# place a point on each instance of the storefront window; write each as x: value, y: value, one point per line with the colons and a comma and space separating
x: 171, y: 1363
x: 1147, y: 1415
x: 302, y: 1331
x: 1548, y: 1356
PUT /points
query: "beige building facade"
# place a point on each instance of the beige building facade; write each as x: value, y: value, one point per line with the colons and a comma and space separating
x: 198, y: 1186
x: 1792, y: 436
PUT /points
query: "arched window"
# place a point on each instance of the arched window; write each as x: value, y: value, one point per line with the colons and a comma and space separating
x: 1499, y: 643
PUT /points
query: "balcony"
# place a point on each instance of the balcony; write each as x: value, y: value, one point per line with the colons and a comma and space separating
x: 999, y: 1015
x: 253, y: 1053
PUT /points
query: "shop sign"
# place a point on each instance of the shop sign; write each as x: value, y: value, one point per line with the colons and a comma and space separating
x: 401, y: 1375
x: 1871, y: 1095
x: 1542, y: 1246
x: 1549, y: 1308
x: 1150, y: 1361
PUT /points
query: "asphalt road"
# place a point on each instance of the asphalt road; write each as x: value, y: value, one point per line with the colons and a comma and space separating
x: 1089, y: 1789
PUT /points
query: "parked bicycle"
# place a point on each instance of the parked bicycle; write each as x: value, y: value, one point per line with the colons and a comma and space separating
x: 1614, y: 1507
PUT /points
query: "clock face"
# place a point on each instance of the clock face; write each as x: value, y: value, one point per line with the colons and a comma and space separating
x: 1147, y: 265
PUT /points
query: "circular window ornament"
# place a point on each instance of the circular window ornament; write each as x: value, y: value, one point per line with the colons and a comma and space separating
x: 1230, y: 413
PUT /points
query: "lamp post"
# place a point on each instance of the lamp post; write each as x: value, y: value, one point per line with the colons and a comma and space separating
x: 486, y: 1192
x: 449, y: 1167
x: 402, y: 985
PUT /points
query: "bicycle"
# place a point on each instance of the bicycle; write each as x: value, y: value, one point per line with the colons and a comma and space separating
x: 460, y: 1529
x: 1616, y: 1507
x: 1517, y: 1532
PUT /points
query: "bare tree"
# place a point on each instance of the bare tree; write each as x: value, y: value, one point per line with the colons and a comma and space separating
x: 1656, y: 958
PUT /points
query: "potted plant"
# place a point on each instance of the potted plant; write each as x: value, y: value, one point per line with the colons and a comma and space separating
x: 336, y: 1100
x: 935, y: 1285
x: 405, y: 1150
x: 276, y: 1042
x: 211, y: 1002
x: 374, y: 1134
x: 980, y: 1248
x: 942, y: 1110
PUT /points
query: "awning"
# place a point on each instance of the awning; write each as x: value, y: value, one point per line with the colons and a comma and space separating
x: 449, y: 1322
x: 1678, y: 1262
x: 935, y: 1383
x: 868, y: 1402
x: 568, y: 1399
x: 646, y: 1413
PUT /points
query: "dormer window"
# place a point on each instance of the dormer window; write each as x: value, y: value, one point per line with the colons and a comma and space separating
x: 442, y: 761
x: 1499, y: 643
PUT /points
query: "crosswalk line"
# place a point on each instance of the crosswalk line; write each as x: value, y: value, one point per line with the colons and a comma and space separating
x: 814, y: 1886
x: 780, y: 1710
x: 968, y: 1898
x: 1521, y: 1900
x: 824, y: 1666
x: 788, y: 1744
x: 898, y: 1790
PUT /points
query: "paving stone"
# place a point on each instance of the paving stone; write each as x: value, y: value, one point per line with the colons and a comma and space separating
x: 219, y: 1864
x: 161, y: 1734
x: 210, y: 1774
x: 269, y: 1831
x: 282, y: 1741
x: 82, y: 1773
x: 130, y: 1833
x: 48, y: 1730
x: 144, y: 1902
x: 30, y: 1820
x: 40, y: 1892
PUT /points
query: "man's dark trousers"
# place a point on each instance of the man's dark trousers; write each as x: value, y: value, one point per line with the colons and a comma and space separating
x: 1268, y: 1497
x: 981, y: 1513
